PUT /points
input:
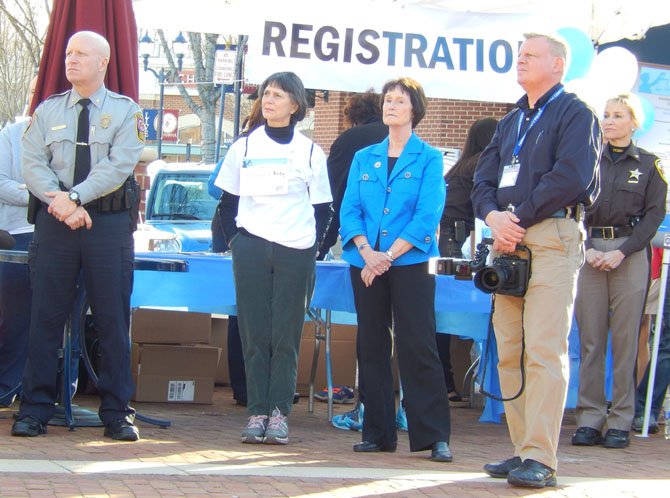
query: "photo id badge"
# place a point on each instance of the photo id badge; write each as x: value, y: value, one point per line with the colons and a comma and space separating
x: 510, y: 174
x: 259, y: 177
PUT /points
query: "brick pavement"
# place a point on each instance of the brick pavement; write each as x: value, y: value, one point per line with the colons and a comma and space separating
x: 200, y: 455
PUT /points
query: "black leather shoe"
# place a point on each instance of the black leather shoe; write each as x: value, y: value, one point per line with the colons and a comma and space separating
x: 587, y: 436
x: 500, y: 470
x: 532, y: 474
x: 122, y: 429
x: 370, y: 447
x: 28, y: 426
x: 441, y: 452
x: 616, y: 438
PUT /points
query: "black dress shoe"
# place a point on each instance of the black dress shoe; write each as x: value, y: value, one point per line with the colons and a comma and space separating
x: 616, y: 438
x: 122, y: 429
x: 532, y: 474
x: 28, y: 426
x: 370, y: 447
x: 587, y: 436
x: 501, y: 469
x: 441, y: 452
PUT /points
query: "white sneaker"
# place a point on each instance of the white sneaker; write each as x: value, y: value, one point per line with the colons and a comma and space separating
x: 254, y: 433
x: 277, y: 430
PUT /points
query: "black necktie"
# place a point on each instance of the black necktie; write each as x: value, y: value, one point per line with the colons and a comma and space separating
x: 82, y: 157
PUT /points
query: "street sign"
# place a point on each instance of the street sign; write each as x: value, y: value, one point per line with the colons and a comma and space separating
x: 224, y: 64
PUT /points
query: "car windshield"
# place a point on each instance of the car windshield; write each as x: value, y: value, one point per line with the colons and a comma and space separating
x: 182, y: 196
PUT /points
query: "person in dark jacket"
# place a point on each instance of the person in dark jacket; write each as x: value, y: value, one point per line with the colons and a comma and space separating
x: 531, y: 184
x: 364, y: 114
x: 612, y: 285
x: 458, y: 220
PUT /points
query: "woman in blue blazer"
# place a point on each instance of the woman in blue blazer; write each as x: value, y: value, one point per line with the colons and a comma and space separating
x: 389, y: 217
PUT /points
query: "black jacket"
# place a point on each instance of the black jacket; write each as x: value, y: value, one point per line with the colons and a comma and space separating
x: 339, y: 162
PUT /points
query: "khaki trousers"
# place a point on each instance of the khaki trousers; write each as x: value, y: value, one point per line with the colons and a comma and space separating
x: 607, y: 301
x: 539, y: 324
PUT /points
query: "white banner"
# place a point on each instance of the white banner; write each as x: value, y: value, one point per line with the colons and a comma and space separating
x: 453, y: 55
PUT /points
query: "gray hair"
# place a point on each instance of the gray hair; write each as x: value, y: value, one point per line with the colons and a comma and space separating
x: 557, y: 47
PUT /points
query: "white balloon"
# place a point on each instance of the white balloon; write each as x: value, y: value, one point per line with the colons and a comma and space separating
x: 614, y: 70
x: 588, y: 90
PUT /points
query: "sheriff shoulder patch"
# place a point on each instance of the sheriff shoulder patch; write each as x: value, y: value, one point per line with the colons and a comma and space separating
x: 659, y: 168
x: 139, y: 125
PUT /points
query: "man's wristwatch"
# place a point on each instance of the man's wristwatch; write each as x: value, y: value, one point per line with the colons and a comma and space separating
x: 389, y: 255
x: 73, y: 195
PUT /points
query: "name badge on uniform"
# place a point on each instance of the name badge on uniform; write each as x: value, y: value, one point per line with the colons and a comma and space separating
x: 264, y: 177
x: 510, y: 174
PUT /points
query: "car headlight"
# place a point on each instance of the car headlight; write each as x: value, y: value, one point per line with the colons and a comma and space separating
x: 165, y: 245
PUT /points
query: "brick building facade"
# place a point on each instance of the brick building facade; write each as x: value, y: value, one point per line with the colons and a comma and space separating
x: 445, y: 124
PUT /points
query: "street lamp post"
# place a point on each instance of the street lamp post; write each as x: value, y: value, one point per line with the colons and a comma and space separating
x: 146, y: 46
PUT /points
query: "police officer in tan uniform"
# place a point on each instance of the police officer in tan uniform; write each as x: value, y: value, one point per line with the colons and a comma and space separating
x: 612, y: 285
x: 78, y: 158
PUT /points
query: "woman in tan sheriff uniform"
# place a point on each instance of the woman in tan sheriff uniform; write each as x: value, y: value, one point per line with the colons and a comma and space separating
x: 612, y: 285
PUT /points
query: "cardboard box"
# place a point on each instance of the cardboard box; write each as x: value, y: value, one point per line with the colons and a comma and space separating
x: 167, y: 373
x: 342, y: 355
x: 163, y: 388
x: 156, y: 326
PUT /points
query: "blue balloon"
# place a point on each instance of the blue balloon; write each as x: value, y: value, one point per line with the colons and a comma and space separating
x: 581, y: 52
x: 648, y: 119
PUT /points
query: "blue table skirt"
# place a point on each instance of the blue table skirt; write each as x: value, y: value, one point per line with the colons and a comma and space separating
x: 207, y: 287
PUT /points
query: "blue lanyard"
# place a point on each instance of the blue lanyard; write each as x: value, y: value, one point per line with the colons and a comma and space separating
x: 522, y: 138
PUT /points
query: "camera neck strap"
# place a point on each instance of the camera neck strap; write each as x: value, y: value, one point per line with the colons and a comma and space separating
x: 489, y: 338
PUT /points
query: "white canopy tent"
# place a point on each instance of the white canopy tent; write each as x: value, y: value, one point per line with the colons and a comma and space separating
x: 603, y: 20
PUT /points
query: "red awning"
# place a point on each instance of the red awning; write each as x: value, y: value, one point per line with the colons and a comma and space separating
x: 113, y: 19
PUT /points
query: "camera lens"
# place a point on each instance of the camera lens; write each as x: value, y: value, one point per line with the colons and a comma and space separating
x: 489, y: 279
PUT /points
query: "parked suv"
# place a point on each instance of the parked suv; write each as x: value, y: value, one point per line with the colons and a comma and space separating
x: 179, y: 210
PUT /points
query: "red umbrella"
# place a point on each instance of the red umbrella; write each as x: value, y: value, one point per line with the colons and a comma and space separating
x: 113, y: 19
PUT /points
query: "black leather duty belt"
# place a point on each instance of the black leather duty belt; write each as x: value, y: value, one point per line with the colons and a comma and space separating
x: 609, y: 232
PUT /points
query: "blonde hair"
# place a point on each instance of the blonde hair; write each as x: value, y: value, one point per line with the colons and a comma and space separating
x: 632, y: 103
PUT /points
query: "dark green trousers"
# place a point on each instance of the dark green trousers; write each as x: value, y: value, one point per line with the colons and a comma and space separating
x: 273, y: 284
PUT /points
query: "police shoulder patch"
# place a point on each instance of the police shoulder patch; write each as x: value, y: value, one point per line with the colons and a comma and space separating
x: 659, y: 168
x: 139, y: 126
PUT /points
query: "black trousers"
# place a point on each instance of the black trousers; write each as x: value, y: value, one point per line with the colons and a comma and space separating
x: 14, y: 319
x: 57, y: 254
x: 405, y: 297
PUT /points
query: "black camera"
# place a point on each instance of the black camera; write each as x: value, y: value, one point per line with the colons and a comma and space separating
x: 508, y: 274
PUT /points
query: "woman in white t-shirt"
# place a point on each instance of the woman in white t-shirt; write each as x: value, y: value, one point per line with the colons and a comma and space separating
x: 275, y: 208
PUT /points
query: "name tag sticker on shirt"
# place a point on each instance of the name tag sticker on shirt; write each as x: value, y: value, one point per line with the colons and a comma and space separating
x: 264, y: 177
x: 58, y: 127
x: 510, y: 174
